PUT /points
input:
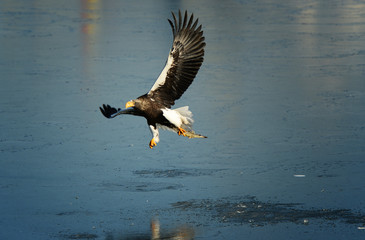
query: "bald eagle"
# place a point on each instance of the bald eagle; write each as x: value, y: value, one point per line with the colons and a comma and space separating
x: 182, y: 65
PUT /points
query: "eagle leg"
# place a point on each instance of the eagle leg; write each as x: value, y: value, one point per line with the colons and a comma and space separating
x: 181, y: 132
x: 152, y: 143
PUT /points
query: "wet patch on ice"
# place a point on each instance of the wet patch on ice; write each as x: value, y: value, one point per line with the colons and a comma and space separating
x: 70, y: 213
x: 327, y: 175
x: 249, y: 210
x: 173, y: 173
x: 140, y: 186
x: 137, y: 236
x: 80, y: 236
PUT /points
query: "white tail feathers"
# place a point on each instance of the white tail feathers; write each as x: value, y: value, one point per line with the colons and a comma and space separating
x: 180, y: 117
x: 186, y: 117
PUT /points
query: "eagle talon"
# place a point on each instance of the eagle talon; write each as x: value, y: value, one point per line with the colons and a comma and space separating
x: 181, y: 132
x: 152, y: 143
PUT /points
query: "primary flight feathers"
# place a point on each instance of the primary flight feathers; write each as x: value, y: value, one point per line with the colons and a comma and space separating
x: 183, y: 62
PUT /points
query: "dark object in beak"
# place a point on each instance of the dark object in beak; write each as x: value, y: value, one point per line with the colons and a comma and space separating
x: 111, y: 112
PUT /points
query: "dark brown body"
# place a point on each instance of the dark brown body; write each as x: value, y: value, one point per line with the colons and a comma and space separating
x: 151, y: 110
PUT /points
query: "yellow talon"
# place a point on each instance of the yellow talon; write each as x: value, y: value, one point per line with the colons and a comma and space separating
x: 152, y: 143
x: 181, y: 132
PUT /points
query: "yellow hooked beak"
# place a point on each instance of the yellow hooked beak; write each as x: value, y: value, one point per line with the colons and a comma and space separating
x: 129, y: 104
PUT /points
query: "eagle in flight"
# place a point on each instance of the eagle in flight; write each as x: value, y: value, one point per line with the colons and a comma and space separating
x: 182, y: 65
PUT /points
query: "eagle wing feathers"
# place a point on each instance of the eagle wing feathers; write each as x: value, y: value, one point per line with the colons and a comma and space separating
x: 183, y: 62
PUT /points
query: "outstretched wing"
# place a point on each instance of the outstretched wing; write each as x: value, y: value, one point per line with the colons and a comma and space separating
x: 183, y: 62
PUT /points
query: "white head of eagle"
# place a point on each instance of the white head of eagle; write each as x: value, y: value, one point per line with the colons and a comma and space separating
x: 183, y: 63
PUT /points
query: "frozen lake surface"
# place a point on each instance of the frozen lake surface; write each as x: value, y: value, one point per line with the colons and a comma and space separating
x: 280, y: 95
